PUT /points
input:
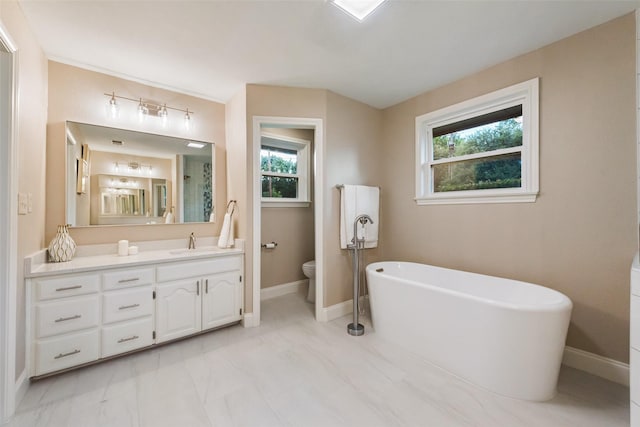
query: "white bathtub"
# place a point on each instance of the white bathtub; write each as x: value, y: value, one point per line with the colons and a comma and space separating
x: 503, y: 335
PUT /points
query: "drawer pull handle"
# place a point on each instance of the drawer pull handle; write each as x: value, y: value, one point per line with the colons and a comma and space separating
x: 128, y: 280
x: 64, y: 319
x: 124, y: 307
x: 207, y: 285
x: 71, y: 353
x: 121, y: 340
x: 198, y: 288
x: 68, y: 288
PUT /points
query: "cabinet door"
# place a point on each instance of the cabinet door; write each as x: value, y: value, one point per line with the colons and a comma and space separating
x: 178, y: 309
x: 221, y: 299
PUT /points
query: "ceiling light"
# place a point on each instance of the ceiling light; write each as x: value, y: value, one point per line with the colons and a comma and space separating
x: 192, y: 144
x: 358, y: 9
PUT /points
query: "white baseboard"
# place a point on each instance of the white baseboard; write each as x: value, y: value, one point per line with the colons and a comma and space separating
x: 250, y: 321
x: 336, y: 311
x: 594, y: 364
x: 284, y: 289
x: 21, y: 387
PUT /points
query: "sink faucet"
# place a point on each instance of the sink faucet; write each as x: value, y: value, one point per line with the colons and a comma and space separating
x: 192, y: 241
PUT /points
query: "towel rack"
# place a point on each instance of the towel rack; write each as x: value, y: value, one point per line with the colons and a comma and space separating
x: 233, y: 204
x: 341, y: 186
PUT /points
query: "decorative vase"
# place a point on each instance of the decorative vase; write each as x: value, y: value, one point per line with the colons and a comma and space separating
x: 62, y: 247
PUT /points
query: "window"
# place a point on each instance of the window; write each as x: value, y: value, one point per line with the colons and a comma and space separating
x: 484, y: 150
x: 284, y: 165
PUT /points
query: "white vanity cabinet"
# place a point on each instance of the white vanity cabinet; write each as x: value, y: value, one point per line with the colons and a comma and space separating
x: 65, y: 325
x: 634, y: 350
x: 127, y: 310
x: 107, y: 310
x: 197, y: 296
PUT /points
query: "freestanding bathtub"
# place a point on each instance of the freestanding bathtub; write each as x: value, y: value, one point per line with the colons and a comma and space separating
x: 503, y: 335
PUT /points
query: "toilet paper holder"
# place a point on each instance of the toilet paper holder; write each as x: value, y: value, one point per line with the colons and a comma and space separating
x: 271, y: 245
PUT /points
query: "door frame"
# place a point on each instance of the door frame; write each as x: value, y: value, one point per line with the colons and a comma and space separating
x: 318, y: 203
x: 8, y: 233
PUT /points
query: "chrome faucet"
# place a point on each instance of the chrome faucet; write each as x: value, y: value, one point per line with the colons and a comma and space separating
x: 192, y: 241
x: 362, y: 219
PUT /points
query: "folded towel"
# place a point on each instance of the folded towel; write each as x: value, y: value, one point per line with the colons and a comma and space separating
x: 358, y: 200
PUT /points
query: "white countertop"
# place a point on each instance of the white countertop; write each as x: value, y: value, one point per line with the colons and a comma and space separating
x: 95, y: 257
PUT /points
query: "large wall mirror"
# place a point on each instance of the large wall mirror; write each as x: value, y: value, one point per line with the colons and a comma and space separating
x: 117, y: 176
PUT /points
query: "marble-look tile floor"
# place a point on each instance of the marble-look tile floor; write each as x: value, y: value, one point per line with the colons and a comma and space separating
x: 292, y: 371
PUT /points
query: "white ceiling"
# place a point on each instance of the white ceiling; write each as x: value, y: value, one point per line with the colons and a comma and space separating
x: 211, y: 48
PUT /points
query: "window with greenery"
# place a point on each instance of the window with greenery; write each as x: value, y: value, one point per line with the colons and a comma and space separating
x: 284, y: 168
x: 480, y: 151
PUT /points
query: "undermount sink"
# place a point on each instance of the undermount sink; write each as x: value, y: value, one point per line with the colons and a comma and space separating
x: 193, y: 251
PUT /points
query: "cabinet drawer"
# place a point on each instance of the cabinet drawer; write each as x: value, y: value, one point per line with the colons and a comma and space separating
x: 71, y: 285
x: 184, y: 270
x: 121, y: 279
x: 60, y: 353
x: 127, y: 304
x: 127, y: 336
x: 57, y: 317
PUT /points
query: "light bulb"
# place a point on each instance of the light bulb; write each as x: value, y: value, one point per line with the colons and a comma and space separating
x: 142, y: 110
x: 163, y: 113
x: 113, y: 106
x: 187, y: 120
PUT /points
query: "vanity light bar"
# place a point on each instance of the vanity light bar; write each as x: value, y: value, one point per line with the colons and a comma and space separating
x: 147, y: 107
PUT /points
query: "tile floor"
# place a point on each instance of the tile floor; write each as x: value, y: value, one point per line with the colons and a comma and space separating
x: 292, y: 371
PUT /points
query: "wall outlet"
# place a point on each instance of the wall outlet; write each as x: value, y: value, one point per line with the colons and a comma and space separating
x: 23, y: 205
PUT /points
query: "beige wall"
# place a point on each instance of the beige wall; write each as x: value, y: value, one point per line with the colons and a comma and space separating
x: 77, y: 95
x: 352, y: 156
x: 31, y: 118
x: 278, y: 102
x: 581, y: 234
x: 292, y: 228
x: 351, y: 138
x: 236, y: 131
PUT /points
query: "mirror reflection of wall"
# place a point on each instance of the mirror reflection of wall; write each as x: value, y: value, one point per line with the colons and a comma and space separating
x: 196, y: 187
x: 137, y: 178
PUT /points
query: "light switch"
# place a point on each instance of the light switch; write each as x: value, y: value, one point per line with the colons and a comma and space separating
x: 29, y: 202
x: 22, y: 204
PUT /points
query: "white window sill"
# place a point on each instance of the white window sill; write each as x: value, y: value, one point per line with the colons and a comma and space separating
x: 473, y: 197
x: 285, y: 204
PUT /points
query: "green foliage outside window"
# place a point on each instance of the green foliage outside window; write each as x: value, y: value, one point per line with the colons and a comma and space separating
x: 279, y: 161
x: 491, y: 172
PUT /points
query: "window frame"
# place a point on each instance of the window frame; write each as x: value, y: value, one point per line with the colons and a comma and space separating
x: 302, y: 147
x: 525, y: 94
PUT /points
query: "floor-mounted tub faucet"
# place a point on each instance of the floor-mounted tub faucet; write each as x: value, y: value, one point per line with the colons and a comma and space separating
x: 362, y: 219
x: 357, y: 244
x: 192, y: 241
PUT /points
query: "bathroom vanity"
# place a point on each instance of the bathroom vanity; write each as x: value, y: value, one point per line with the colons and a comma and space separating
x: 101, y: 305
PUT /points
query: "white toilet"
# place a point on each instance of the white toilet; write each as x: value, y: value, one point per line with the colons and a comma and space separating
x: 309, y: 270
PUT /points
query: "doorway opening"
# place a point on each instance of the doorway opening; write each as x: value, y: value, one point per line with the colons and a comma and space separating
x: 287, y: 184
